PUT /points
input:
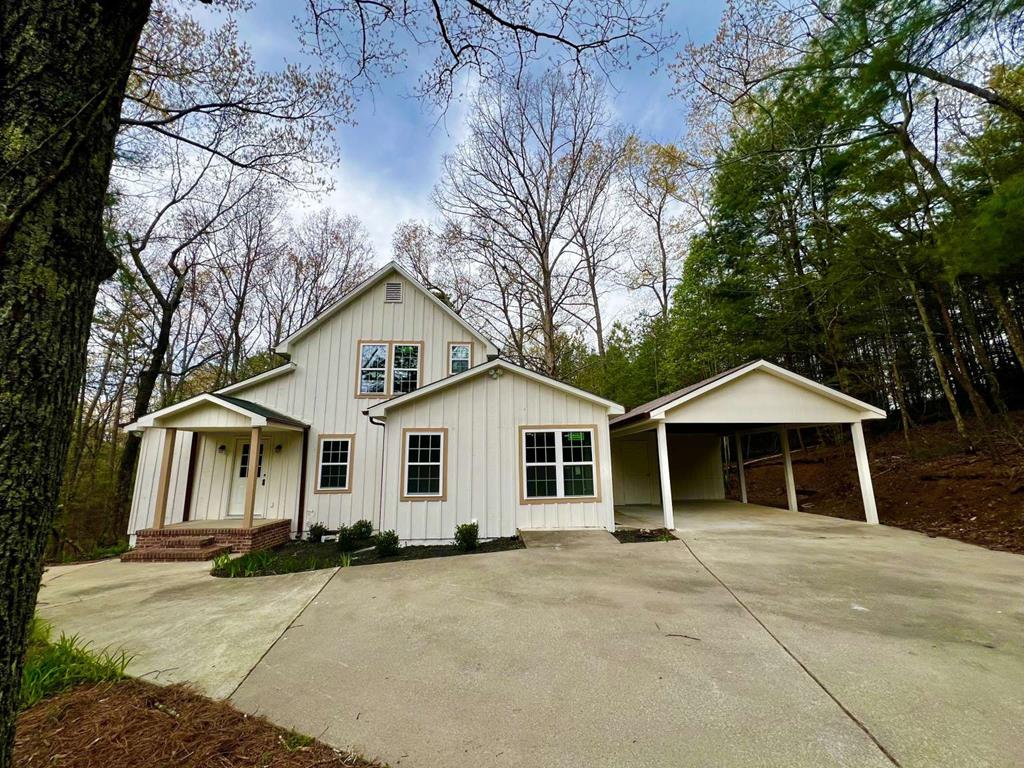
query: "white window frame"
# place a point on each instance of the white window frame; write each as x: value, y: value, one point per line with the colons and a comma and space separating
x: 360, y: 369
x: 559, y: 463
x: 451, y: 354
x: 322, y: 440
x: 442, y: 487
x: 394, y: 369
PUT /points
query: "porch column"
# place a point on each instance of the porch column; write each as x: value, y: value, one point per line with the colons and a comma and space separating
x: 739, y: 467
x: 788, y: 461
x: 250, y: 480
x: 164, y: 481
x: 867, y: 491
x: 666, y: 477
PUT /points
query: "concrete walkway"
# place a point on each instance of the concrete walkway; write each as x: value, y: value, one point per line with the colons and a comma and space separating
x: 762, y: 638
x: 179, y: 623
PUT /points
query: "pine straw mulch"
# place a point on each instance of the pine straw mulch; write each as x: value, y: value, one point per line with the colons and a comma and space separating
x: 135, y: 724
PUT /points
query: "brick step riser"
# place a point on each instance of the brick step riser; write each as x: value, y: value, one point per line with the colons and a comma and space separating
x: 182, y: 542
x: 161, y: 555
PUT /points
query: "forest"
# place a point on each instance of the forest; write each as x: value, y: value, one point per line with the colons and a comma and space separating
x: 847, y: 202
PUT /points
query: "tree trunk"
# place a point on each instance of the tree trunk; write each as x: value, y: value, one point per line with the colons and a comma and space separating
x: 970, y: 319
x: 63, y: 68
x: 961, y: 372
x: 1010, y: 324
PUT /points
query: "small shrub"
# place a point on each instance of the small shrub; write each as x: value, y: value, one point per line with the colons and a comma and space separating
x: 54, y: 667
x: 362, y: 530
x: 316, y: 534
x: 347, y: 539
x: 345, y: 560
x: 467, y: 536
x: 386, y: 544
x: 221, y: 563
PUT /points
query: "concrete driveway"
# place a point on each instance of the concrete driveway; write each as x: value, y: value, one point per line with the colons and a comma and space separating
x: 763, y: 638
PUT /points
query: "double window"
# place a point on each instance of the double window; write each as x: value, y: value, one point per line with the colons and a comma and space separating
x: 460, y: 356
x: 424, y: 470
x: 558, y: 463
x: 388, y: 368
x: 334, y: 471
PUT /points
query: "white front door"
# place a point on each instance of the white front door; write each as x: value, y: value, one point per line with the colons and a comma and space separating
x: 240, y: 476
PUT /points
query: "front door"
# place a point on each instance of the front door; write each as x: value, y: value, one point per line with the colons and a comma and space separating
x: 242, y: 467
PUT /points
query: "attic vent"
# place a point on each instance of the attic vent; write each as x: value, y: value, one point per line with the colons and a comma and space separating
x: 392, y: 293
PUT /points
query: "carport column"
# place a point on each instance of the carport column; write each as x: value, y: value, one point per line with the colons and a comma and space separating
x: 666, y: 477
x: 739, y: 466
x: 787, y: 459
x: 250, y: 480
x: 164, y: 482
x: 867, y: 491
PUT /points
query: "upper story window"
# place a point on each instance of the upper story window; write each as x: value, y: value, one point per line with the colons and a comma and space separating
x: 558, y: 463
x: 388, y: 368
x: 460, y: 356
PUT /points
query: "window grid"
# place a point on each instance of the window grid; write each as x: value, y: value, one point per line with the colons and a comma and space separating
x: 405, y: 372
x: 243, y: 463
x: 558, y: 463
x: 373, y: 366
x: 335, y: 462
x: 424, y: 465
x: 459, y: 356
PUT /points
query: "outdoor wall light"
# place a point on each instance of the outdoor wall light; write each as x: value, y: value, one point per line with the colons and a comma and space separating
x: 222, y: 449
x: 277, y: 448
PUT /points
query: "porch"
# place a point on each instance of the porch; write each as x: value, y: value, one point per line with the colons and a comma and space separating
x: 216, y: 474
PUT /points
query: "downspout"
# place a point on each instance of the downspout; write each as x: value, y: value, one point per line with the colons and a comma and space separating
x: 383, y: 463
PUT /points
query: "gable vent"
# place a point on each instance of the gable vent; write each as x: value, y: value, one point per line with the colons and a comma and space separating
x: 392, y: 293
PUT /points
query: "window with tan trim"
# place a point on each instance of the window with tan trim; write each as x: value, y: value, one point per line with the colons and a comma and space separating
x: 558, y: 463
x: 334, y: 463
x: 460, y: 356
x: 424, y: 464
x: 373, y: 368
x: 405, y: 367
x: 388, y: 368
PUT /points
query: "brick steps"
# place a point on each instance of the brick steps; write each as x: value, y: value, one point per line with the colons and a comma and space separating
x: 175, y: 542
x: 178, y: 554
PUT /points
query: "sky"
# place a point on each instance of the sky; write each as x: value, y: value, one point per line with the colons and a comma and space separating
x: 390, y: 158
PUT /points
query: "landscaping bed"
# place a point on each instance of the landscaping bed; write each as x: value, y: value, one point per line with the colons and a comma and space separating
x: 637, y: 535
x: 307, y: 556
x: 135, y: 724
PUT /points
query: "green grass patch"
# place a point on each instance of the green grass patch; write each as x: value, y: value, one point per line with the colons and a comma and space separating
x: 53, y: 667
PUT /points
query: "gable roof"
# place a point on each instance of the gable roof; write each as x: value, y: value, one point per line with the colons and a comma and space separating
x: 366, y: 285
x: 656, y: 408
x: 259, y: 414
x: 380, y: 409
x: 259, y: 378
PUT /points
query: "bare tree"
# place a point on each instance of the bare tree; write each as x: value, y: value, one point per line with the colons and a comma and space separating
x: 510, y: 189
x: 438, y: 258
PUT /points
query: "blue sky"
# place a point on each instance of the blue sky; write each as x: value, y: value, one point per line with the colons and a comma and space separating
x: 390, y: 158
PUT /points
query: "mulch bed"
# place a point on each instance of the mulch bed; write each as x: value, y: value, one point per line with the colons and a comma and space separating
x: 135, y: 724
x: 637, y: 535
x: 932, y: 486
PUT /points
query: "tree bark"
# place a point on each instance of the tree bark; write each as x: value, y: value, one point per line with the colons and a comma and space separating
x: 1010, y: 325
x: 961, y: 372
x: 63, y: 68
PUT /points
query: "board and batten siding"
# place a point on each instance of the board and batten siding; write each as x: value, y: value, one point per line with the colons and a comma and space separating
x: 321, y: 391
x: 695, y: 465
x: 483, y: 416
x: 147, y: 478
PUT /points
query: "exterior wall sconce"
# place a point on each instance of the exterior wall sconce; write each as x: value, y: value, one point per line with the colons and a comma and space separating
x: 277, y: 448
x: 222, y: 448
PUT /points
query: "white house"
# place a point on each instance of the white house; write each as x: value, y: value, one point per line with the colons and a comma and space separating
x: 391, y: 408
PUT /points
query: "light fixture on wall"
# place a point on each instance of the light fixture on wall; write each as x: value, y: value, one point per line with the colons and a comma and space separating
x: 277, y: 448
x: 222, y: 448
x: 496, y: 373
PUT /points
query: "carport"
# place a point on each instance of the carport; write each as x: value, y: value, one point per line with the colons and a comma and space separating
x: 670, y: 449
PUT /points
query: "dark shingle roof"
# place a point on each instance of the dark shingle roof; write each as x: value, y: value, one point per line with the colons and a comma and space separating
x: 643, y: 411
x: 259, y: 410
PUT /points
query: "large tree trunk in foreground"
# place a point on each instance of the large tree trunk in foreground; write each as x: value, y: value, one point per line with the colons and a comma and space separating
x: 63, y: 68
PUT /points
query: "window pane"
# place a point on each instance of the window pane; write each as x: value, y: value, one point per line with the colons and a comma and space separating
x: 423, y: 479
x: 243, y: 466
x: 333, y: 475
x: 335, y: 451
x: 459, y: 358
x: 404, y: 381
x: 407, y: 356
x: 577, y: 446
x: 540, y: 447
x: 578, y: 480
x: 458, y: 366
x: 541, y: 481
x: 374, y: 356
x: 371, y: 382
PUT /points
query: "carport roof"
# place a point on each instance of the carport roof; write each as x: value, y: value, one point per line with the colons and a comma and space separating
x: 654, y: 407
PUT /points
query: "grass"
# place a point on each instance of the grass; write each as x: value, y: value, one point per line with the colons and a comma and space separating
x: 309, y: 556
x: 96, y: 553
x: 53, y: 667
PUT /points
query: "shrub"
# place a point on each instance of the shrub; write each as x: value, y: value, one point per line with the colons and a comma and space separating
x: 54, y: 667
x: 347, y: 539
x: 362, y: 529
x: 316, y: 534
x: 387, y: 543
x: 466, y: 536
